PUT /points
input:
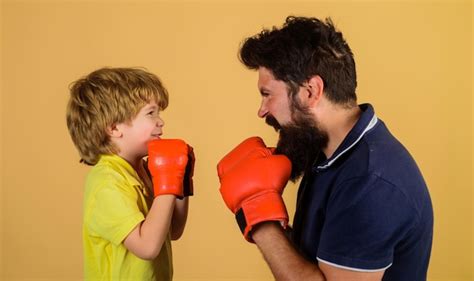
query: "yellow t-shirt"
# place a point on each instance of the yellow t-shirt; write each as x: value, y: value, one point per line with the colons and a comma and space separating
x: 115, y: 201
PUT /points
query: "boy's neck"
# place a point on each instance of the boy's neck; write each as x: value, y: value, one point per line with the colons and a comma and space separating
x: 133, y: 161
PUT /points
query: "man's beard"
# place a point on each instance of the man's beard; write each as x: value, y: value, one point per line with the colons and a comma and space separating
x: 301, y: 141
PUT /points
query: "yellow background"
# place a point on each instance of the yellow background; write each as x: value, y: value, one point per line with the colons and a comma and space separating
x: 414, y: 61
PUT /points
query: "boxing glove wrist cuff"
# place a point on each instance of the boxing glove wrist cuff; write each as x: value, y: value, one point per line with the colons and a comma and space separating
x: 264, y: 207
x: 161, y: 187
x: 188, y: 188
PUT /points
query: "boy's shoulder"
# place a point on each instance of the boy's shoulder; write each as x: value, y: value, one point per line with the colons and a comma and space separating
x: 111, y: 171
x: 106, y: 170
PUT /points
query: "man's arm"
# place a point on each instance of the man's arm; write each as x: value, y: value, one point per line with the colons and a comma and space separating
x: 287, y: 264
x: 252, y: 181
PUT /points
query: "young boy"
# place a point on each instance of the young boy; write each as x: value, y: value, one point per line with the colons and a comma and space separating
x: 113, y: 119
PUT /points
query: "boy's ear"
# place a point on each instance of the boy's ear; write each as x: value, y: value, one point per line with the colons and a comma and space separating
x: 312, y: 91
x: 114, y: 131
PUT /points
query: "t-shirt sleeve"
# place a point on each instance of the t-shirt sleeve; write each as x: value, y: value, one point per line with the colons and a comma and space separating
x: 365, y: 220
x: 114, y: 213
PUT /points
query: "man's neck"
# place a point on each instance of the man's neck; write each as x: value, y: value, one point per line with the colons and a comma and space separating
x: 338, y: 121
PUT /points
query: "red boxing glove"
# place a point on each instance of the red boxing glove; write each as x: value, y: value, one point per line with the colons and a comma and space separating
x: 252, y: 189
x: 188, y: 185
x: 167, y: 161
x: 238, y: 153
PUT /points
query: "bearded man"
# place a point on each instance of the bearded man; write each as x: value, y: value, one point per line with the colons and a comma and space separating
x: 363, y: 210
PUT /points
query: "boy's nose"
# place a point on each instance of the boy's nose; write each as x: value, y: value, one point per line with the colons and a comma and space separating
x: 160, y: 122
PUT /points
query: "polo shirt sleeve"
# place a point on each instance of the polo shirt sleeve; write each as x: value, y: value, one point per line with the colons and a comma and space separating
x: 366, y: 218
x: 114, y: 213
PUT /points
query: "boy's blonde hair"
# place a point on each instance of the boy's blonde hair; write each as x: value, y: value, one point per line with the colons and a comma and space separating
x: 106, y: 97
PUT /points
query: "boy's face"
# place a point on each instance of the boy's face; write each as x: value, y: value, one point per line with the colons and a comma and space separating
x: 146, y: 126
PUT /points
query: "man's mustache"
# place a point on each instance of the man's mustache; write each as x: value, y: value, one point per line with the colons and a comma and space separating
x: 270, y: 120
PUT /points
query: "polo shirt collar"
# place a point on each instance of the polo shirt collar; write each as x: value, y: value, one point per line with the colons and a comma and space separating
x: 122, y: 164
x: 366, y: 122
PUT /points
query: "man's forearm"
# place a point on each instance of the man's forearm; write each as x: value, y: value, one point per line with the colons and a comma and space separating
x: 285, y: 262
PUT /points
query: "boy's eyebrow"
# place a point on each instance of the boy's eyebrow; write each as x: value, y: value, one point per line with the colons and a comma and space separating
x: 151, y: 106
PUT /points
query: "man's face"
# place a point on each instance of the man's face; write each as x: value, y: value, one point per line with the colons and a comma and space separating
x: 275, y: 101
x: 301, y: 139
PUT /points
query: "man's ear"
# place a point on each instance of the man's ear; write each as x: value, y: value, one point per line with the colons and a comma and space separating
x: 313, y: 90
x: 114, y: 131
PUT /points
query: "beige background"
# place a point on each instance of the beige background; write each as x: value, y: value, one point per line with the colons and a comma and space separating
x: 414, y: 61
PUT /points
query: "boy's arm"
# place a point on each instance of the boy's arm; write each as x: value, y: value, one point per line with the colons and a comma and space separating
x: 180, y: 216
x: 167, y: 161
x: 180, y: 213
x: 146, y: 239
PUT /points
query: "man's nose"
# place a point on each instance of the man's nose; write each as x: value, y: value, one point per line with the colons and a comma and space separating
x: 262, y: 111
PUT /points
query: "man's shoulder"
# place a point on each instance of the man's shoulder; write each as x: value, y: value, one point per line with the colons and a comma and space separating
x: 386, y: 161
x: 389, y: 159
x: 378, y: 155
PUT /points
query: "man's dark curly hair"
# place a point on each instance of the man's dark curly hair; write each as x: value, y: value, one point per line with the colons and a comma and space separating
x: 302, y: 48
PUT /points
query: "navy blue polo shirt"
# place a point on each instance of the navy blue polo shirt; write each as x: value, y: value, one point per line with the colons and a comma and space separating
x: 367, y: 207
